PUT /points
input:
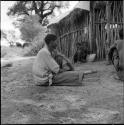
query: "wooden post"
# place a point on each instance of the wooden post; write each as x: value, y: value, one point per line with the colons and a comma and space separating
x: 90, y: 27
x: 108, y: 29
x: 123, y: 13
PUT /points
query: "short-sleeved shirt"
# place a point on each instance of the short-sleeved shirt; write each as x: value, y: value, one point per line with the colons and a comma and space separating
x: 44, y: 66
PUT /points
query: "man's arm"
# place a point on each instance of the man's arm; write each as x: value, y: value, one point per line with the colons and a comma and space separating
x: 51, y: 63
x: 68, y: 62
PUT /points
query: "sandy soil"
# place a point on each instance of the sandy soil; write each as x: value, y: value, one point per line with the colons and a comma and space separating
x: 98, y: 100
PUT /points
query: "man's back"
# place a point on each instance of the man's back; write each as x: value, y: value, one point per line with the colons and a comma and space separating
x: 39, y: 63
x: 44, y: 65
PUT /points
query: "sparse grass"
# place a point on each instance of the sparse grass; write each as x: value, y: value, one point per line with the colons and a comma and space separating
x: 7, y: 52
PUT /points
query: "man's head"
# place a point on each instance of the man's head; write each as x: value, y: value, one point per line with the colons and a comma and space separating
x: 50, y: 41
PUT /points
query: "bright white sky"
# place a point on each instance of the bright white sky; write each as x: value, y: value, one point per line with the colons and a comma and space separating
x: 6, y: 22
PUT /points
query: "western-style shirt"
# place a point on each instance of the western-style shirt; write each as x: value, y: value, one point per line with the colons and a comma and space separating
x: 44, y: 66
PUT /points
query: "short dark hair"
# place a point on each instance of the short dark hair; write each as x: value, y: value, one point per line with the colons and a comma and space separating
x: 49, y: 38
x: 121, y: 33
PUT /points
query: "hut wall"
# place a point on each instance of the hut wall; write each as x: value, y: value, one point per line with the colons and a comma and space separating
x: 92, y: 27
x: 72, y: 30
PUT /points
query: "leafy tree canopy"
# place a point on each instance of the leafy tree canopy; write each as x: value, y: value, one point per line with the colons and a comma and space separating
x: 42, y: 8
x: 30, y: 28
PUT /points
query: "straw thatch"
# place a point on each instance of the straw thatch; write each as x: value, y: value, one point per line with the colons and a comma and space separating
x: 84, y: 5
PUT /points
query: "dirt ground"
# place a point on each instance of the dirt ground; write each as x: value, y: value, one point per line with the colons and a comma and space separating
x: 98, y: 100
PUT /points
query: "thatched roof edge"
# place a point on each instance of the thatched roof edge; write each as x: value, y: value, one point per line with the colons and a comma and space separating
x: 65, y: 15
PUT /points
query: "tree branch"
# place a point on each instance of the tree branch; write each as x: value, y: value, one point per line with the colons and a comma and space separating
x: 41, y: 8
x: 35, y: 7
x: 45, y: 3
x: 46, y: 14
x: 24, y: 12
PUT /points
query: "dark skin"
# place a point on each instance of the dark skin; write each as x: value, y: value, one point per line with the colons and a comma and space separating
x: 52, y: 47
x: 68, y: 66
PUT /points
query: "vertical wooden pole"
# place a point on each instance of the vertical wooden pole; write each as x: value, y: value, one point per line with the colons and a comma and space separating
x: 94, y: 45
x: 108, y: 29
x: 90, y: 26
x: 92, y: 11
x: 123, y: 14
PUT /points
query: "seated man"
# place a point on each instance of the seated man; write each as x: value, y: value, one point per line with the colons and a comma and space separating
x: 47, y: 71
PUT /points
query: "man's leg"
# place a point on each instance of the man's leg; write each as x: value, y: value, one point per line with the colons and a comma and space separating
x: 68, y: 78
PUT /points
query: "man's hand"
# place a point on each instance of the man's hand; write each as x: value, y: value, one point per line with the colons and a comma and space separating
x: 68, y: 62
x: 62, y: 70
x: 59, y: 57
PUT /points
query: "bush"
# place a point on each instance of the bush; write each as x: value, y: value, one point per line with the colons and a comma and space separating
x: 33, y: 49
x: 37, y: 44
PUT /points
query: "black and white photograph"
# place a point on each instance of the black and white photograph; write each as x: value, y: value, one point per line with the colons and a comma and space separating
x: 62, y: 62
